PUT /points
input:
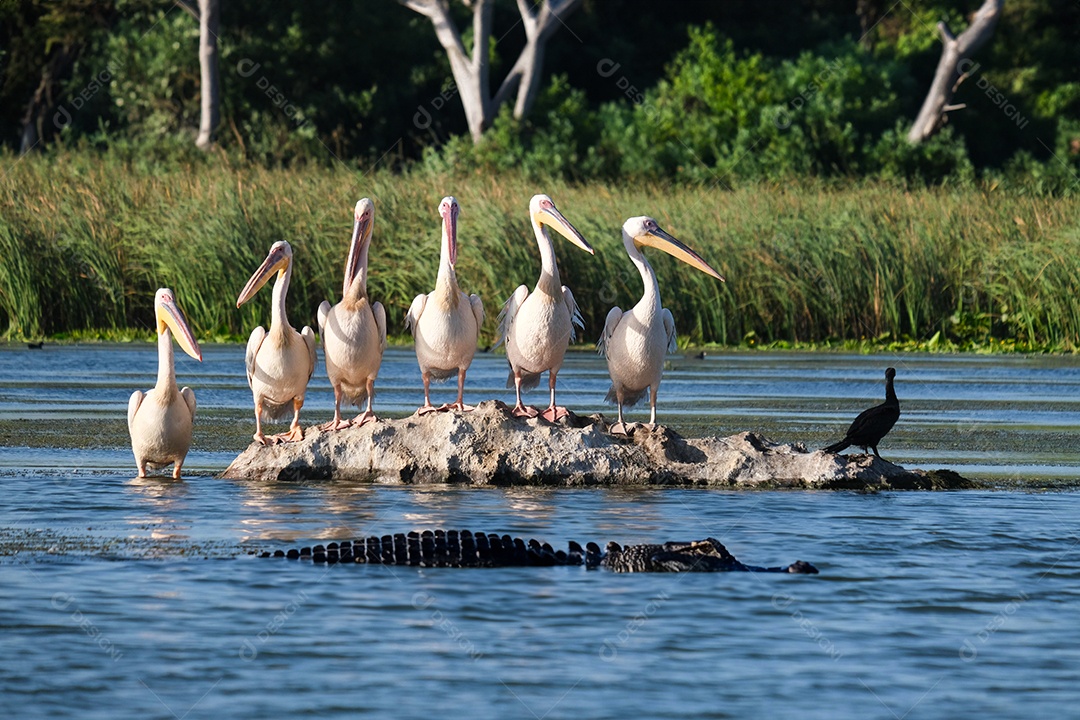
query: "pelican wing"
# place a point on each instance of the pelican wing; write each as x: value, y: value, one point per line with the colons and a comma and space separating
x: 575, y: 312
x: 189, y: 397
x: 255, y: 342
x: 380, y: 322
x: 669, y: 328
x: 412, y: 318
x: 614, y: 317
x: 324, y: 312
x: 133, y: 406
x: 477, y: 311
x: 309, y: 340
x: 509, y: 312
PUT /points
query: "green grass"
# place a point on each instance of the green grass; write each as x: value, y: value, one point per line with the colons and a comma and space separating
x: 86, y: 240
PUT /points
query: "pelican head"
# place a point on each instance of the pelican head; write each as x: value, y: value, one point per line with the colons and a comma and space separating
x: 644, y: 231
x: 363, y: 221
x: 448, y: 210
x: 278, y: 261
x: 543, y: 212
x: 169, y: 317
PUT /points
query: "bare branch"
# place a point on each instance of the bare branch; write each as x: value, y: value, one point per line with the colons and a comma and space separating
x: 428, y: 8
x: 189, y: 6
x: 954, y: 51
x: 471, y: 69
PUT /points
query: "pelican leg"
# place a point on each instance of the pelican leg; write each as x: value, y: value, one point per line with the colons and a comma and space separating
x: 141, y: 466
x: 553, y: 412
x: 296, y: 433
x: 522, y: 410
x: 427, y: 407
x: 367, y: 416
x: 259, y: 437
x: 620, y: 428
x: 460, y: 405
x: 652, y: 407
x: 337, y: 423
x: 176, y: 469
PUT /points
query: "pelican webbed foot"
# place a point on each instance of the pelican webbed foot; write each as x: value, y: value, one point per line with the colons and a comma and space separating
x: 335, y: 424
x: 525, y: 411
x: 364, y: 418
x: 554, y: 413
x: 428, y: 409
x: 458, y: 406
x: 622, y: 428
x: 295, y: 434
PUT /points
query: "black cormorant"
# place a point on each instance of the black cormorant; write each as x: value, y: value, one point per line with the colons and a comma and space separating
x: 872, y: 424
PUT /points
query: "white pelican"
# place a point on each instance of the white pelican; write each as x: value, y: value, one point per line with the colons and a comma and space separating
x: 636, y: 342
x: 537, y: 328
x: 160, y: 420
x: 446, y: 322
x: 279, y: 362
x: 354, y: 331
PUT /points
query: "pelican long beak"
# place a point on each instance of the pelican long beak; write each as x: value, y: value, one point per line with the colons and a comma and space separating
x: 170, y: 317
x: 276, y: 261
x: 450, y: 231
x: 360, y: 235
x: 662, y: 240
x: 552, y: 217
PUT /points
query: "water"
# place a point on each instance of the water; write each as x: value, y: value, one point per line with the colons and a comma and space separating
x: 139, y: 598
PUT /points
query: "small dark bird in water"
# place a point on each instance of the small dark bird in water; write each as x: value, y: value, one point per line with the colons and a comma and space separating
x: 36, y: 346
x: 872, y: 424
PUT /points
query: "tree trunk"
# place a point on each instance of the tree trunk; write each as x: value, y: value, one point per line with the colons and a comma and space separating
x: 34, y: 128
x: 472, y: 74
x: 209, y: 89
x: 949, y: 74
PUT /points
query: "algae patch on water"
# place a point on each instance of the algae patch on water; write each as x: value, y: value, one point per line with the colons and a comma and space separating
x: 38, y: 545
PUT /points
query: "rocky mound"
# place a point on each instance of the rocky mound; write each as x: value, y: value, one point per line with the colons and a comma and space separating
x: 491, y: 447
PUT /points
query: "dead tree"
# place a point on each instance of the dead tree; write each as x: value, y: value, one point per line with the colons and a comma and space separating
x: 949, y: 73
x: 208, y: 14
x: 471, y: 71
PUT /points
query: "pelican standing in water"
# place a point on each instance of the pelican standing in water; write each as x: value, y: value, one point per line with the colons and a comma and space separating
x: 279, y: 362
x: 445, y: 323
x: 160, y: 420
x: 354, y: 331
x: 637, y: 341
x: 538, y: 328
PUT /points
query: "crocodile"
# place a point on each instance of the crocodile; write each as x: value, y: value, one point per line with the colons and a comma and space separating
x: 457, y: 549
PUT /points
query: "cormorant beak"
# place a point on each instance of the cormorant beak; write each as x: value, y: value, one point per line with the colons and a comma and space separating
x: 169, y: 317
x: 549, y: 215
x: 661, y: 240
x: 277, y: 261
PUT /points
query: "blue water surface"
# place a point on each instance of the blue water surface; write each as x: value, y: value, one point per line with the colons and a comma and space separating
x: 135, y: 598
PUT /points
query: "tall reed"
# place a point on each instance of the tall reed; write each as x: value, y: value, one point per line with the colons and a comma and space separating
x: 85, y: 241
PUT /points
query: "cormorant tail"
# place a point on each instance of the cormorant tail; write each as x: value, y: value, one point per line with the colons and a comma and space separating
x: 837, y: 447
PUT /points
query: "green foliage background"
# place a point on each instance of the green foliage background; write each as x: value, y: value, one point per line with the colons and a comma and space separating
x: 693, y: 91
